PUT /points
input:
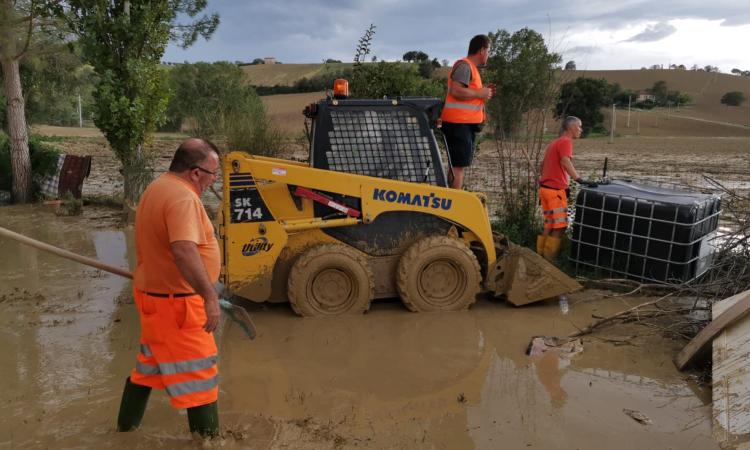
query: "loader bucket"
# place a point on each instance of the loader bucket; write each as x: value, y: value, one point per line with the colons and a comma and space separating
x: 523, y: 276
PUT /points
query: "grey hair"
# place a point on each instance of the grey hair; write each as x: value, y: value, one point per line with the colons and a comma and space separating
x: 568, y: 122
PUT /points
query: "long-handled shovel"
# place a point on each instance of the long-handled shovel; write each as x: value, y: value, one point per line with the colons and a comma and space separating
x: 235, y: 312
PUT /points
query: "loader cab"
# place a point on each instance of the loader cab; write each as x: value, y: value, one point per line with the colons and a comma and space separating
x: 384, y: 138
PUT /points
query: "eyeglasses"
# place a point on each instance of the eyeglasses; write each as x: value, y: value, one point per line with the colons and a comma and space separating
x: 206, y: 171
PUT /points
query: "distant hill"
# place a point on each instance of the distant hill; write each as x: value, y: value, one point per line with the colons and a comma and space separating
x: 287, y: 74
x: 705, y: 88
x: 706, y: 117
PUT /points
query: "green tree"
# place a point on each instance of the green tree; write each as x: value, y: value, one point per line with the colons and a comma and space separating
x: 22, y: 22
x: 124, y: 42
x: 415, y: 56
x: 623, y: 97
x: 659, y: 90
x: 205, y: 95
x: 521, y: 66
x: 570, y: 65
x: 53, y: 79
x: 733, y: 98
x: 584, y: 98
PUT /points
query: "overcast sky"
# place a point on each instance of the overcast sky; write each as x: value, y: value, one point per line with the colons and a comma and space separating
x: 596, y: 34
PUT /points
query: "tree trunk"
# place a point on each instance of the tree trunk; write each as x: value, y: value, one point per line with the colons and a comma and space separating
x: 19, y: 139
x: 137, y: 174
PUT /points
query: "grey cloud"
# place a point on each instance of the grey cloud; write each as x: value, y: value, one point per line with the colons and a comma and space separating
x: 582, y: 50
x: 653, y: 33
x: 308, y: 30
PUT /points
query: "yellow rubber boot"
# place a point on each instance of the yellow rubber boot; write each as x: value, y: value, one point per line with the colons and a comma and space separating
x: 540, y: 238
x: 552, y: 248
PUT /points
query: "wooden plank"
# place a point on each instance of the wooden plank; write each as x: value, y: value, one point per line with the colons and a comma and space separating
x: 730, y: 386
x: 698, y: 345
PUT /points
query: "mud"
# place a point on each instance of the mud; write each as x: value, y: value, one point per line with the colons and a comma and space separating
x: 386, y: 379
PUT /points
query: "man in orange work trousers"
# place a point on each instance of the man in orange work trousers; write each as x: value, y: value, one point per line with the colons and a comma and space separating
x: 553, y: 187
x: 178, y: 263
x: 463, y: 111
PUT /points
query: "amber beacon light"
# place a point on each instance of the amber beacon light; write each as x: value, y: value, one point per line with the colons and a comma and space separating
x: 340, y: 88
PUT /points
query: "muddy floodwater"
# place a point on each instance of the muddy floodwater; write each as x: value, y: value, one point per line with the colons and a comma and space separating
x: 386, y: 379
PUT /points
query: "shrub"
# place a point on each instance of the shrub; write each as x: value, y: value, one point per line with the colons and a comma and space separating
x: 206, y: 93
x: 253, y: 133
x: 376, y: 80
x: 734, y: 98
x: 43, y: 161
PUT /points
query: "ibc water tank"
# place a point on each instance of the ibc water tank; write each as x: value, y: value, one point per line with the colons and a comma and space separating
x: 644, y: 232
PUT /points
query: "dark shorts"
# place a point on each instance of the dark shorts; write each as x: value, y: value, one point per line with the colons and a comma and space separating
x: 460, y: 138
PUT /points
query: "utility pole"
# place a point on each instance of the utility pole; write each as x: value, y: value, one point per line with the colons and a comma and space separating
x: 80, y: 112
x: 628, y: 124
x: 612, y: 128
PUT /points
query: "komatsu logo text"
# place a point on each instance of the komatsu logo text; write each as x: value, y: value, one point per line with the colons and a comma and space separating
x: 407, y: 198
x: 256, y: 246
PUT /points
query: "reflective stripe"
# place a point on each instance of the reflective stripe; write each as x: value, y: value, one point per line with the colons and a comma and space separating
x: 190, y: 387
x: 187, y: 366
x: 556, y: 210
x: 146, y: 369
x: 464, y: 106
x: 146, y: 351
x: 558, y: 220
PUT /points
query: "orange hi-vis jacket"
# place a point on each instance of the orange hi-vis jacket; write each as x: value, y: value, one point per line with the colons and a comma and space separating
x: 464, y: 111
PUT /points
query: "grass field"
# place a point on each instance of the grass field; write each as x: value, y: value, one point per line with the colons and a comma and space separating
x: 285, y: 110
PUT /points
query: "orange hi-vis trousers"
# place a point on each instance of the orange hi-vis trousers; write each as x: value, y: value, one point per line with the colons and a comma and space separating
x: 554, y: 208
x: 176, y: 354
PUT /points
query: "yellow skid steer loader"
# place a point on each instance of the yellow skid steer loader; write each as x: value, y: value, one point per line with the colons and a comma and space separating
x: 370, y: 216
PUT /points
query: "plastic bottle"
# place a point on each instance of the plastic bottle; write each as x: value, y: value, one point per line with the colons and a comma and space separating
x: 564, y: 307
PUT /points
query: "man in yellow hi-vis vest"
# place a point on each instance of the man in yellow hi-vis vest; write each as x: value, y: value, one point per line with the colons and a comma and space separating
x: 463, y: 111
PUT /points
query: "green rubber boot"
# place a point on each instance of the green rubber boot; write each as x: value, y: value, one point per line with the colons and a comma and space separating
x: 132, y: 406
x: 204, y: 420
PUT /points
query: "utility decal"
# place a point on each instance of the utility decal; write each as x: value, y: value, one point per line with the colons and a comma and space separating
x: 256, y: 246
x: 406, y: 198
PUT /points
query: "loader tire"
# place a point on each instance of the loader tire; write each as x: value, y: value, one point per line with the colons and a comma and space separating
x: 329, y: 280
x: 438, y: 273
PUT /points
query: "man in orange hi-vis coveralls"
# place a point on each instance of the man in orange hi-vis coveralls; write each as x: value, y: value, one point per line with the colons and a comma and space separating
x: 553, y: 187
x: 178, y: 263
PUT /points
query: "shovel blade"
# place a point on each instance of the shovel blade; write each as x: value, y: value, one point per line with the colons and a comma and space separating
x: 524, y: 277
x: 240, y: 316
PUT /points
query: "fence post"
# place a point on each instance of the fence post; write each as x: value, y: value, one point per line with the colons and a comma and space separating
x: 638, y: 122
x: 628, y: 124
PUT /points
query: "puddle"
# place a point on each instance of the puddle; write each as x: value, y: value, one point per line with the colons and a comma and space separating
x: 387, y: 379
